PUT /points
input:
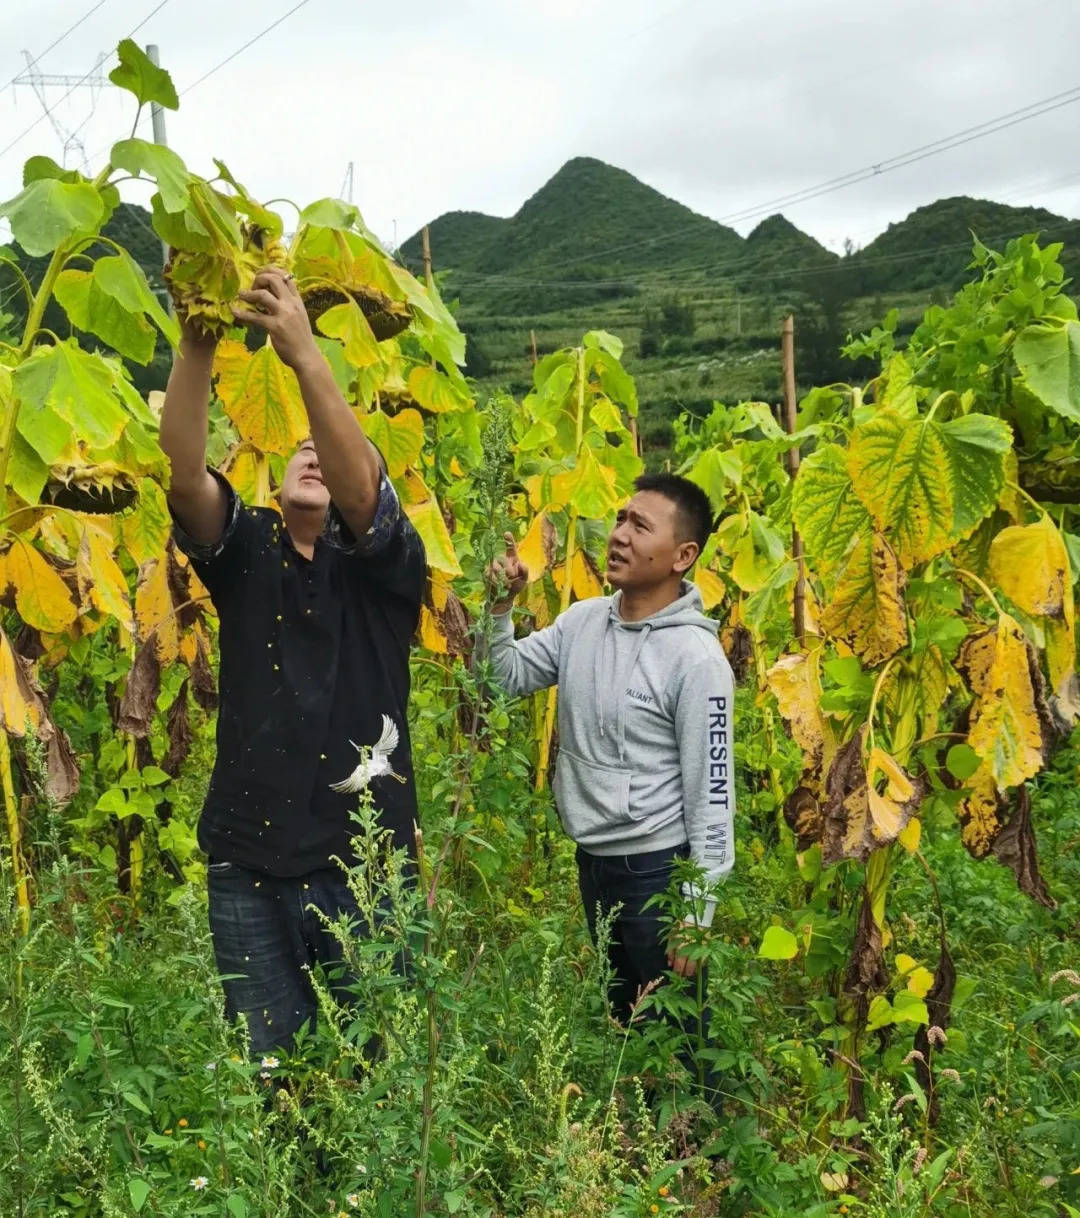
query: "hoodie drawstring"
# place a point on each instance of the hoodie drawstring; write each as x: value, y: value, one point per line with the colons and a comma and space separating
x: 620, y: 692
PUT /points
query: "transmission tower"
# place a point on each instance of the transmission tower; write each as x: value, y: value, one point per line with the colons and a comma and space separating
x: 347, y: 185
x: 39, y: 81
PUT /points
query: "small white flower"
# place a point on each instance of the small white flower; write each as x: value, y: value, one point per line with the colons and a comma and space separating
x: 362, y: 1168
x: 211, y: 1066
x: 270, y: 1063
x: 199, y: 1183
x: 265, y: 1074
x: 353, y: 1201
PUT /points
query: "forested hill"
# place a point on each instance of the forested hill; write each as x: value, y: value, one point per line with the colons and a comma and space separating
x: 594, y: 231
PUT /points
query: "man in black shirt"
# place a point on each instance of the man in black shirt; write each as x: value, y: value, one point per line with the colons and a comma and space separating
x: 317, y: 608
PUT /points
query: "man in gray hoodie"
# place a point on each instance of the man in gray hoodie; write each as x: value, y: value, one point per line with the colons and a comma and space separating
x: 645, y: 770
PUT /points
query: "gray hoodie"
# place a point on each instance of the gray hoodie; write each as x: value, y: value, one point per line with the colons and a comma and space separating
x: 645, y: 726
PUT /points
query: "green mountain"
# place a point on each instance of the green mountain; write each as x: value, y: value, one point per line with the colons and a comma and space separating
x: 587, y: 234
x: 932, y: 247
x: 775, y: 249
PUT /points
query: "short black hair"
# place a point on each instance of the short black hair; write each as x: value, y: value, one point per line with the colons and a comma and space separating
x: 693, y: 511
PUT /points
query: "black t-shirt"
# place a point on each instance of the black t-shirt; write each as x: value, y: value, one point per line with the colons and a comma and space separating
x: 313, y: 654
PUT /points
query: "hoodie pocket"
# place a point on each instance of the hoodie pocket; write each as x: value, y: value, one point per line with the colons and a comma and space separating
x: 593, y: 800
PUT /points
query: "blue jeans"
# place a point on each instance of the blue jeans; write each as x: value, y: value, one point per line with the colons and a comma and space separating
x: 264, y: 930
x: 637, y: 949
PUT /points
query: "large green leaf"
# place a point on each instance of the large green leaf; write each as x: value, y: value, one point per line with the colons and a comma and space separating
x: 347, y: 323
x: 26, y: 471
x: 827, y: 511
x: 162, y: 164
x: 925, y: 483
x: 90, y: 309
x: 1049, y: 358
x: 49, y: 211
x: 976, y: 445
x: 139, y: 75
x: 74, y: 385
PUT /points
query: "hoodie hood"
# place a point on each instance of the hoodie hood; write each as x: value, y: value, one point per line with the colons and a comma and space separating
x: 616, y: 661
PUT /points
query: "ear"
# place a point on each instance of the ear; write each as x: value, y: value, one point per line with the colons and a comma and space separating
x: 686, y: 553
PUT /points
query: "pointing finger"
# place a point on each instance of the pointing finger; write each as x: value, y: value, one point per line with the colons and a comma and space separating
x: 511, y: 545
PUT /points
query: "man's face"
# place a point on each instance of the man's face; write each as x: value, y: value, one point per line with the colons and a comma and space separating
x: 302, y: 487
x: 642, y: 548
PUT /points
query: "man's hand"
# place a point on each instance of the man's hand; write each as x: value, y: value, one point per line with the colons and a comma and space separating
x: 281, y: 314
x: 678, y: 962
x: 507, y: 576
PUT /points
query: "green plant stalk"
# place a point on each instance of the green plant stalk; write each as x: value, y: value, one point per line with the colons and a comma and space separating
x: 18, y: 868
x: 543, y: 760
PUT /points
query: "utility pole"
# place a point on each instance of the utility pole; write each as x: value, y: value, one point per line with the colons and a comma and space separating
x: 787, y: 356
x: 40, y: 81
x: 347, y: 185
x: 157, y: 119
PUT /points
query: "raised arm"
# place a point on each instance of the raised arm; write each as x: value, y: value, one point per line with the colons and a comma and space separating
x: 525, y: 665
x: 195, y: 495
x: 348, y: 461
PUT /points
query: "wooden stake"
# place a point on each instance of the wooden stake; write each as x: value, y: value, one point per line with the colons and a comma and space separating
x: 532, y: 340
x: 425, y: 241
x: 787, y: 356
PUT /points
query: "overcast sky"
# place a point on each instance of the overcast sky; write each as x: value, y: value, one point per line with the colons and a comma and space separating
x: 721, y: 104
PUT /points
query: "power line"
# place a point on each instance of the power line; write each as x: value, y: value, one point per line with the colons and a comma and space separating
x: 57, y: 41
x: 228, y: 58
x: 240, y: 50
x: 945, y: 144
x: 41, y: 118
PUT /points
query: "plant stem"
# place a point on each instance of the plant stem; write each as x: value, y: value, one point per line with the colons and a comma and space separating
x: 543, y: 760
x: 18, y: 866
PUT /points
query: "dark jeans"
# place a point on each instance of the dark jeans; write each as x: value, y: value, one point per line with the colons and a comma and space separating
x: 637, y: 949
x: 264, y: 930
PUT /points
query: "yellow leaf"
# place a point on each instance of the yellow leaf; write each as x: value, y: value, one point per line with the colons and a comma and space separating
x: 18, y: 706
x: 860, y: 818
x: 584, y: 577
x: 399, y: 437
x: 920, y: 980
x: 536, y: 601
x: 440, y: 589
x: 428, y: 522
x: 589, y: 487
x: 154, y: 614
x: 796, y: 684
x: 431, y: 637
x: 261, y: 396
x: 100, y: 580
x: 910, y: 836
x: 1030, y: 564
x: 867, y: 608
x: 348, y: 323
x: 41, y: 596
x: 145, y: 529
x: 537, y: 548
x: 411, y: 488
x: 711, y: 586
x: 905, y: 963
x: 1005, y: 729
x: 435, y: 391
x: 979, y: 812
